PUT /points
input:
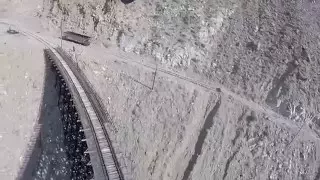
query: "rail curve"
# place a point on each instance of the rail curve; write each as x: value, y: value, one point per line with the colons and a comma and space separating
x: 80, y: 105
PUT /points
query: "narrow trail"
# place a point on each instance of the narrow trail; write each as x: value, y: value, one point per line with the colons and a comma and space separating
x: 211, y: 86
x: 80, y: 104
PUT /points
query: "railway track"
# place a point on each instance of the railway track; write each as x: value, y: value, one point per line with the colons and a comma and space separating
x: 89, y: 148
x: 83, y: 119
x: 95, y: 147
x: 211, y: 86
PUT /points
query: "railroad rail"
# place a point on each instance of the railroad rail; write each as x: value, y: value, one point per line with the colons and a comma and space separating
x: 89, y: 147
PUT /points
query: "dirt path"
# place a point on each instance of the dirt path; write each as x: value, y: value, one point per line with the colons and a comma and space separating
x: 281, y: 132
x: 259, y: 57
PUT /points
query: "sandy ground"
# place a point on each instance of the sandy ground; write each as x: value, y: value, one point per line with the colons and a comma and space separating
x: 28, y: 103
x: 180, y: 130
x: 21, y: 83
x: 235, y: 95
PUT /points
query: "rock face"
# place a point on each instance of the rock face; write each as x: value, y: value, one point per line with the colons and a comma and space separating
x: 265, y: 53
x: 176, y: 33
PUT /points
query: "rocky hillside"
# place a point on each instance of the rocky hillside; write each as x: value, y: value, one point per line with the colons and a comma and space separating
x: 254, y: 48
x: 263, y: 53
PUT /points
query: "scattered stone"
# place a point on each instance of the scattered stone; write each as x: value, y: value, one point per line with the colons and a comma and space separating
x: 305, y: 55
x: 252, y: 46
x: 296, y: 63
x: 301, y: 76
x: 11, y: 31
x: 252, y: 117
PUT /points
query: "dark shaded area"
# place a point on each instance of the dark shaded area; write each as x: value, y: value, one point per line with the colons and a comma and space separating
x: 228, y: 163
x: 58, y: 150
x: 202, y: 136
x: 12, y: 31
x: 301, y: 76
x: 235, y: 68
x: 127, y: 1
x: 106, y: 7
x: 35, y: 156
x: 120, y: 34
x: 96, y: 102
x: 252, y: 117
x: 305, y: 55
x: 95, y: 22
x: 239, y: 129
x: 81, y: 10
x: 315, y: 127
x: 76, y: 38
x: 318, y: 174
x: 238, y: 132
x: 73, y: 132
x: 272, y: 96
x: 252, y: 46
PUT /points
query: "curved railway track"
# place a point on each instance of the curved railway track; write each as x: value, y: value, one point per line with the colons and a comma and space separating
x: 81, y: 108
x: 211, y: 86
x: 89, y: 107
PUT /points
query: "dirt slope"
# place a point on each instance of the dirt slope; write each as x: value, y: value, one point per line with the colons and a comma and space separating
x: 21, y: 83
x: 255, y: 113
x: 265, y: 51
x: 181, y: 130
x: 260, y: 53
